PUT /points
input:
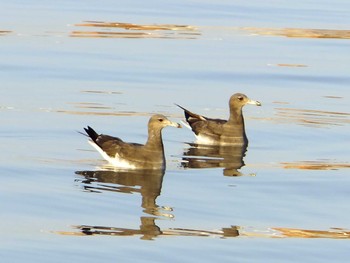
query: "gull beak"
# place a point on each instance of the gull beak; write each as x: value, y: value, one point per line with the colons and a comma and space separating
x: 254, y: 102
x: 174, y: 124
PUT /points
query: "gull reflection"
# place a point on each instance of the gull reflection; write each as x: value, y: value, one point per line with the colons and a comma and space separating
x: 149, y: 230
x: 146, y: 182
x: 214, y: 156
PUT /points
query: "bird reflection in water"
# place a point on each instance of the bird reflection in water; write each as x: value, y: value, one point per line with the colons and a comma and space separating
x: 149, y: 184
x: 229, y: 157
x: 146, y: 182
x: 149, y: 231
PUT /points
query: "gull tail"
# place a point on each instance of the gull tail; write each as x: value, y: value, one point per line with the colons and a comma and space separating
x: 91, y: 133
x: 190, y: 116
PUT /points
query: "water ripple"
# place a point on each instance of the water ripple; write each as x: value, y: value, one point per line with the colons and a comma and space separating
x: 127, y: 30
x: 314, y: 118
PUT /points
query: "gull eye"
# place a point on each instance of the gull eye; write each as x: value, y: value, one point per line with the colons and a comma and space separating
x: 160, y: 120
x: 240, y: 98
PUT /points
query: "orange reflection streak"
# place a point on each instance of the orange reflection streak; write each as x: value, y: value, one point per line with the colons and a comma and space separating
x: 123, y: 30
x: 334, y: 233
x: 300, y: 32
x: 315, y: 165
x: 100, y: 34
x: 109, y: 34
x: 130, y: 26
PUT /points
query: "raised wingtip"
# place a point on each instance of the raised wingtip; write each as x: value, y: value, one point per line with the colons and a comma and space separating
x: 91, y: 133
x: 82, y: 133
x: 180, y: 106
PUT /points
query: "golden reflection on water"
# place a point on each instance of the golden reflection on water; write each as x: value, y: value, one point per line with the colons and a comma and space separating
x: 130, y: 26
x: 149, y: 230
x: 4, y: 32
x: 334, y: 233
x: 314, y: 118
x: 300, y: 32
x: 104, y: 29
x: 127, y: 30
x: 315, y: 165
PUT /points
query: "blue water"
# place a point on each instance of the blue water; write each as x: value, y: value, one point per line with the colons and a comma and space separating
x: 290, y: 202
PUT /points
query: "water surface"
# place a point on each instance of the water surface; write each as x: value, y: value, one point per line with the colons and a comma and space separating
x: 111, y: 66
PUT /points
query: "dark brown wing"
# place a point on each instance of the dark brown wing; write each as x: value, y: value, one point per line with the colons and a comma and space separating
x: 109, y: 144
x: 203, y: 125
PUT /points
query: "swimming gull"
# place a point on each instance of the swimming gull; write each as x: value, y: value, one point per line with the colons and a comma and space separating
x: 221, y: 132
x: 133, y: 155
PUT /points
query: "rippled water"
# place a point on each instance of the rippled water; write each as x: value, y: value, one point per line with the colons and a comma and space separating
x: 112, y: 65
